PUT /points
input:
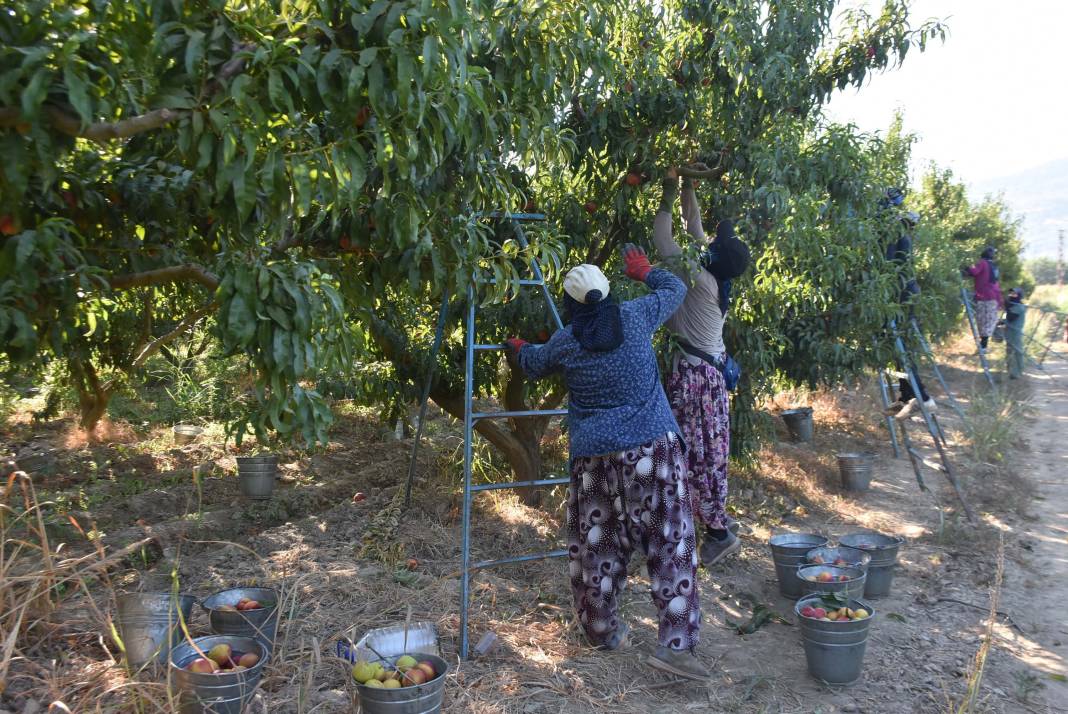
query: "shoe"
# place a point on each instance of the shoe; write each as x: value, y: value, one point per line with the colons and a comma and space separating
x: 617, y: 641
x: 893, y: 408
x: 713, y: 551
x: 732, y: 525
x: 681, y: 663
x: 907, y: 410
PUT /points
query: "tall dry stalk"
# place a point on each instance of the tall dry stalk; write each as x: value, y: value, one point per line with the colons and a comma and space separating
x: 978, y: 666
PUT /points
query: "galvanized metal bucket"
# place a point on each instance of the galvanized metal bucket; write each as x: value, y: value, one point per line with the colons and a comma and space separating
x: 799, y: 423
x: 419, y: 699
x: 261, y: 624
x: 853, y: 587
x: 834, y: 650
x: 149, y: 624
x: 855, y: 470
x: 883, y: 550
x: 788, y: 551
x: 218, y: 693
x: 256, y: 475
x: 840, y: 555
x: 186, y: 433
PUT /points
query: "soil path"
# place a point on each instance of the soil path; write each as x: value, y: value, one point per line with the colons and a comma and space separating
x: 1041, y: 585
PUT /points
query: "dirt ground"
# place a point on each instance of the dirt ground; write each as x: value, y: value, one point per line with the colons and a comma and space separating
x: 342, y: 565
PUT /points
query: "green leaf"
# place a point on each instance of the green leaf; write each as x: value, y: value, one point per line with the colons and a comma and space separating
x: 78, y: 92
x: 241, y: 323
x: 430, y: 55
x: 194, y: 52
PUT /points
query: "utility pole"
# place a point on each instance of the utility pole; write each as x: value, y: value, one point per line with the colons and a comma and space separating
x: 1060, y: 258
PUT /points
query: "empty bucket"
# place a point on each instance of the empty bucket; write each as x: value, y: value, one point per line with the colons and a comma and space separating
x: 215, y: 693
x: 883, y: 550
x: 834, y: 650
x: 261, y: 623
x: 855, y: 470
x: 419, y: 699
x: 811, y: 582
x: 149, y: 624
x: 799, y: 423
x: 788, y: 551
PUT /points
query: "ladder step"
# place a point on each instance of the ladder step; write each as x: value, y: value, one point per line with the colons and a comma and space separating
x: 516, y: 415
x: 521, y: 281
x: 488, y: 347
x: 518, y: 559
x: 520, y: 484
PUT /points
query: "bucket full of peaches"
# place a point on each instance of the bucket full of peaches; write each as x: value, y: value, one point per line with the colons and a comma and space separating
x: 834, y: 632
x: 216, y: 674
x: 412, y: 683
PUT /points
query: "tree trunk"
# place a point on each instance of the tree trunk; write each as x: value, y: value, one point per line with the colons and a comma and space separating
x: 93, y: 397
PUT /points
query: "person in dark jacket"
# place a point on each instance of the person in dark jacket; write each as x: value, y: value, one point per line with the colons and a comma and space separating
x: 628, y: 473
x: 1015, y: 315
x: 899, y: 252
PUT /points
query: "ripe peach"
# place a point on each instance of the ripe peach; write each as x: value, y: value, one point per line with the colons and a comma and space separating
x: 591, y: 207
x: 825, y: 577
x: 249, y: 659
x: 808, y: 611
x: 359, y: 496
x: 633, y: 179
x: 414, y: 676
x: 362, y: 115
x: 832, y: 615
x: 819, y: 612
x: 412, y: 564
x: 860, y: 614
x: 202, y: 666
x: 428, y: 667
x: 220, y: 654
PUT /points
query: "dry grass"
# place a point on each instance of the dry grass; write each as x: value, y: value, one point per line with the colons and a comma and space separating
x: 968, y: 702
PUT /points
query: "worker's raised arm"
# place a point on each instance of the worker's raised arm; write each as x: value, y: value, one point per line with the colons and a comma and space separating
x: 691, y: 212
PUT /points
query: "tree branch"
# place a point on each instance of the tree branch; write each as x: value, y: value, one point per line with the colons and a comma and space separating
x: 155, y: 345
x: 103, y: 132
x: 172, y: 274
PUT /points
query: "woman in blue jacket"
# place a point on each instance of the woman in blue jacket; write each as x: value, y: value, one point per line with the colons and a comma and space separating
x: 628, y: 475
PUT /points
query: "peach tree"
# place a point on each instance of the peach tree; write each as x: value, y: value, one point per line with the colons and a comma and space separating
x: 276, y: 169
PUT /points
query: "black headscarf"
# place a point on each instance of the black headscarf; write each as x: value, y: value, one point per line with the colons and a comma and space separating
x: 725, y: 258
x: 596, y: 324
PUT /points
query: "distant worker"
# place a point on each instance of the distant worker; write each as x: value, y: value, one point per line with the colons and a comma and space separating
x: 697, y: 388
x: 628, y: 472
x: 988, y: 300
x: 899, y: 252
x: 1015, y: 314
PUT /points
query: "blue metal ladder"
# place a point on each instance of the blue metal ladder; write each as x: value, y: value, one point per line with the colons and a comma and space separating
x: 471, y: 417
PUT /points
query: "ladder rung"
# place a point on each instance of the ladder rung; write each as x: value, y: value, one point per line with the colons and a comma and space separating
x: 520, y: 414
x: 518, y: 559
x: 488, y: 347
x: 520, y: 484
x: 521, y: 281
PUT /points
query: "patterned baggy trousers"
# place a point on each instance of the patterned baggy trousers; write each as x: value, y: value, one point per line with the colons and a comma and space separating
x: 633, y: 499
x: 698, y: 396
x: 986, y: 315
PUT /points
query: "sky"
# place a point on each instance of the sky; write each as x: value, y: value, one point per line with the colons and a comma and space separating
x: 988, y: 103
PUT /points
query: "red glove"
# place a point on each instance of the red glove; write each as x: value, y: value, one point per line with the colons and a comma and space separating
x: 514, y: 345
x: 636, y: 261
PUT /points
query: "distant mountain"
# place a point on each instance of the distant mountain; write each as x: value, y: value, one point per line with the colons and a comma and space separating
x: 1040, y: 196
